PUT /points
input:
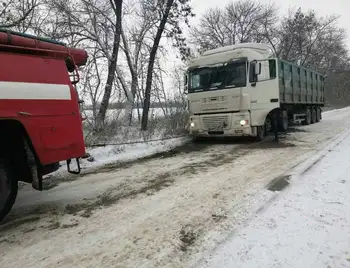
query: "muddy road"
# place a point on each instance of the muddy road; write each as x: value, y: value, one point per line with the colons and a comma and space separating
x: 167, y: 210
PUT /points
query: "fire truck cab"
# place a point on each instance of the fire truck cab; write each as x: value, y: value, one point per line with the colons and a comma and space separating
x: 40, y: 120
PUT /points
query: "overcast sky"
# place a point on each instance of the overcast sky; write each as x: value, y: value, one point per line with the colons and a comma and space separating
x: 321, y: 7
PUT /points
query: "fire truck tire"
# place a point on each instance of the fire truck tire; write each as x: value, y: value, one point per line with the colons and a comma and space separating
x: 8, y: 188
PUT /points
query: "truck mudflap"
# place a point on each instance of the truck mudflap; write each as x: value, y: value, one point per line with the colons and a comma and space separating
x: 69, y: 161
x: 37, y: 178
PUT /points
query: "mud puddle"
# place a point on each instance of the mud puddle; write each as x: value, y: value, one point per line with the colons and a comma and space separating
x: 278, y: 184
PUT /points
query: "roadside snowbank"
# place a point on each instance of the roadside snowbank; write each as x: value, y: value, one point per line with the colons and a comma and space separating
x: 122, y: 153
x: 308, y: 225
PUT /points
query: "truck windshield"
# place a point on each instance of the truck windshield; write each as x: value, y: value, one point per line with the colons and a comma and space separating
x: 213, y: 78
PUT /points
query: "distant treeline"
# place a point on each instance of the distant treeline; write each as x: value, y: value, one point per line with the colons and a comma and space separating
x: 122, y: 105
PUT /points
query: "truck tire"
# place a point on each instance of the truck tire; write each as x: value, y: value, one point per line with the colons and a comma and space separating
x: 313, y: 115
x: 307, y: 120
x: 8, y: 188
x: 261, y: 133
x: 268, y: 125
x: 284, y: 121
x: 318, y: 114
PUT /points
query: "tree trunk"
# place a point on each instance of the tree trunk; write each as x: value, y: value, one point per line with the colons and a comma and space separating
x: 134, y: 83
x: 134, y: 79
x: 112, y: 66
x: 147, y: 100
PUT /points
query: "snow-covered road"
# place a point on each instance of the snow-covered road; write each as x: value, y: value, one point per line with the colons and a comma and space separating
x: 307, y: 225
x: 165, y: 211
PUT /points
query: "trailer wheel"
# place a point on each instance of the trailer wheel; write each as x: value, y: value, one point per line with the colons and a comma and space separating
x: 8, y: 188
x: 318, y: 114
x: 313, y: 115
x: 307, y: 120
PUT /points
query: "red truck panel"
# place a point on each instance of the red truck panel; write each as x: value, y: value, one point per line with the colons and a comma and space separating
x: 37, y: 92
x: 12, y: 39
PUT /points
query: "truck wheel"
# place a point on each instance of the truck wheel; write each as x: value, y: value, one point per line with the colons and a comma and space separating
x: 268, y: 125
x: 8, y: 188
x: 318, y: 114
x: 284, y: 121
x: 313, y: 115
x: 307, y: 120
x: 261, y: 133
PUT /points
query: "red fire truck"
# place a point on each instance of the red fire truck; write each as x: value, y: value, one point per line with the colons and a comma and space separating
x: 40, y: 120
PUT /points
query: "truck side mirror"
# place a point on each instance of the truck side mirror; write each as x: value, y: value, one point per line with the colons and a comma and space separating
x: 253, y: 72
x: 185, y: 84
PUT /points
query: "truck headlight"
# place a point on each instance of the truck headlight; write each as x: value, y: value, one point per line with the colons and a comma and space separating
x: 243, y: 122
x: 192, y: 124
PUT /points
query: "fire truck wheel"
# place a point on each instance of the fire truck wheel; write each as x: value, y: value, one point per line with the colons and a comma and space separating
x: 8, y: 188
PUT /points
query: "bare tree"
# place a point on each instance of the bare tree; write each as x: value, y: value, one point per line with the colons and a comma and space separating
x: 170, y: 12
x: 304, y: 38
x: 238, y: 22
x: 112, y: 64
x: 13, y: 13
x: 159, y: 86
x: 92, y: 82
x: 133, y: 43
x: 94, y: 22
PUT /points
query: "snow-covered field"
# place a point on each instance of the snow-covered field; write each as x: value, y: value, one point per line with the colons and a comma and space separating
x: 169, y: 210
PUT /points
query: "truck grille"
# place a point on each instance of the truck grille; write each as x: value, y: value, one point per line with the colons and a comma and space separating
x: 215, y: 122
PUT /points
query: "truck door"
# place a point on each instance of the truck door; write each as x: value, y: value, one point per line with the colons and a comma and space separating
x: 263, y: 84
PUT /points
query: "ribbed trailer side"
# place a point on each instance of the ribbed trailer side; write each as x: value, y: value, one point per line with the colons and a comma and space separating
x: 299, y: 85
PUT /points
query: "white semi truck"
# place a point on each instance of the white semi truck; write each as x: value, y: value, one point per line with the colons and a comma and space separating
x: 238, y: 90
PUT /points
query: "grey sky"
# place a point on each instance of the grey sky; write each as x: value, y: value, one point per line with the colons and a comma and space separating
x: 321, y: 7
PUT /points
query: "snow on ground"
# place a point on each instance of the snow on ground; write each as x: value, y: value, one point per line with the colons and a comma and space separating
x: 112, y: 114
x: 307, y: 225
x: 121, y: 153
x: 165, y: 211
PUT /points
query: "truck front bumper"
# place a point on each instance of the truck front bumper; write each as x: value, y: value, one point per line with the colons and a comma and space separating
x: 221, y: 125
